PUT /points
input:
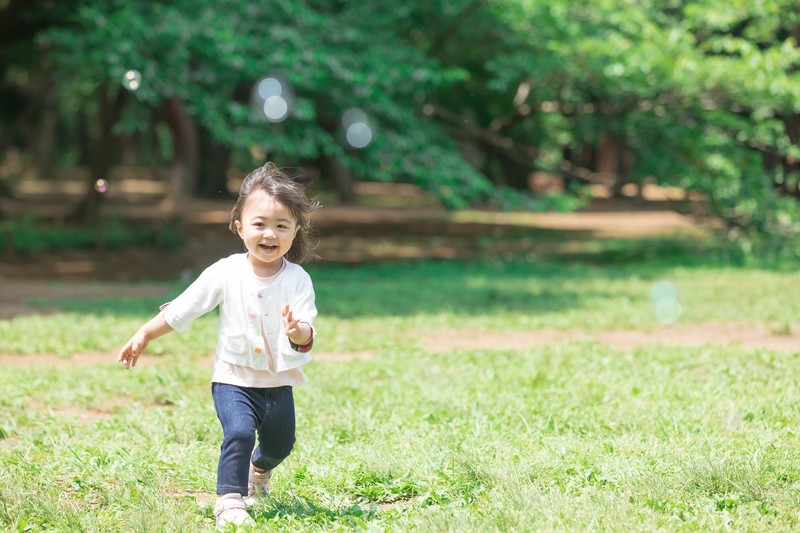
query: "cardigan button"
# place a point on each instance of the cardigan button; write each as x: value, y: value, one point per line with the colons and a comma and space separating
x: 260, y: 295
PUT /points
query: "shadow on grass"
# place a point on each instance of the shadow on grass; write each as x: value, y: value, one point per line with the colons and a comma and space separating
x: 396, y: 289
x: 526, y: 284
x: 105, y: 306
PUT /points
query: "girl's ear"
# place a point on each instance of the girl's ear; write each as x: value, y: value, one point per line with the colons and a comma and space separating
x: 239, y: 228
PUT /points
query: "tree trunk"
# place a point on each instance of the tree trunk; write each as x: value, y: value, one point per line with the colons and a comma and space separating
x: 612, y: 163
x: 155, y: 160
x: 19, y: 127
x: 183, y: 172
x: 515, y: 173
x: 102, y: 154
x: 131, y: 144
x: 340, y: 178
x: 46, y: 132
x: 84, y: 138
x: 571, y: 155
x: 607, y: 161
x: 213, y: 170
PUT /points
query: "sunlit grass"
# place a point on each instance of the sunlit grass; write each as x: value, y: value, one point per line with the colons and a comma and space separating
x: 429, y: 296
x: 569, y: 435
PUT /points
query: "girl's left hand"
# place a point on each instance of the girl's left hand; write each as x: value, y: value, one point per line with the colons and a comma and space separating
x: 294, y: 327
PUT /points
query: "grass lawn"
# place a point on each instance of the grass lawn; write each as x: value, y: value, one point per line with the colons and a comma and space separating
x: 396, y: 433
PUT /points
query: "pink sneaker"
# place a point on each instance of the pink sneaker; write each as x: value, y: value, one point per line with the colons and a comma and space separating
x: 230, y: 509
x: 258, y: 483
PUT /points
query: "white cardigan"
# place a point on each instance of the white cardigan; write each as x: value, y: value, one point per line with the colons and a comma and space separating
x: 244, y: 307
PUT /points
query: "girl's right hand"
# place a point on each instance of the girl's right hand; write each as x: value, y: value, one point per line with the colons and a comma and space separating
x: 129, y: 354
x: 156, y: 327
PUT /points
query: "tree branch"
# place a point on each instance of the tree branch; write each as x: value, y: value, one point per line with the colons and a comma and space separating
x: 520, y: 112
x: 522, y: 153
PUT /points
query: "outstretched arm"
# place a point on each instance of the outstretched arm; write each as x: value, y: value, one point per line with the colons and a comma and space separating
x: 154, y: 328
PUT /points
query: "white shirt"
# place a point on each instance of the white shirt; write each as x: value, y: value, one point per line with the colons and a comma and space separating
x: 251, y: 334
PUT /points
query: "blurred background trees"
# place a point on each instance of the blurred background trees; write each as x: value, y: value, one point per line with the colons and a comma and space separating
x: 470, y: 99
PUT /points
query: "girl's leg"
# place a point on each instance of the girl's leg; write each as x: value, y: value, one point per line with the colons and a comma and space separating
x: 237, y: 409
x: 276, y: 430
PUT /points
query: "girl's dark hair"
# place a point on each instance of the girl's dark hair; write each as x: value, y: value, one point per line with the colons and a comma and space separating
x: 273, y: 181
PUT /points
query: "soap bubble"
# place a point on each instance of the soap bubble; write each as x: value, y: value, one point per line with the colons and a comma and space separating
x: 271, y: 98
x: 269, y: 87
x: 663, y: 289
x: 353, y: 116
x: 668, y: 312
x: 359, y: 135
x: 276, y: 108
x: 357, y: 129
x: 668, y: 309
x: 132, y: 80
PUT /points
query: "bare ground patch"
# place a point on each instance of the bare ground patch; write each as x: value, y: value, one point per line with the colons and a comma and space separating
x: 734, y: 333
x: 743, y: 334
x: 343, y: 356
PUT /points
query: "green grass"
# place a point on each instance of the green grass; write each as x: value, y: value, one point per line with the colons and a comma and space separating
x: 571, y: 435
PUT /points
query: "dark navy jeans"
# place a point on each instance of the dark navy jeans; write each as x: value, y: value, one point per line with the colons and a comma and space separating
x: 245, y: 412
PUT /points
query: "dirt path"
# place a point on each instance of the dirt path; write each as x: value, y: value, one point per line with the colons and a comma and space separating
x: 721, y: 335
x: 737, y: 333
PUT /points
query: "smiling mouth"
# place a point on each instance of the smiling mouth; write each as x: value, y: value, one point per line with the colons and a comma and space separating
x: 268, y: 247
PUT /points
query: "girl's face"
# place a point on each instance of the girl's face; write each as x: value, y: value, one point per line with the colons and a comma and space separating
x: 267, y: 228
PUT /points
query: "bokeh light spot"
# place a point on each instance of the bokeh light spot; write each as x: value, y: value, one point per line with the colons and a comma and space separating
x: 269, y: 87
x: 132, y: 80
x: 271, y: 98
x: 357, y: 129
x: 359, y: 135
x: 668, y: 309
x: 101, y: 186
x: 276, y: 108
x: 668, y: 312
x: 353, y: 116
x: 663, y: 289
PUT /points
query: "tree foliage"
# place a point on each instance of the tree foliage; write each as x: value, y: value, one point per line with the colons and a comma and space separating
x: 702, y: 95
x: 210, y: 55
x: 467, y: 97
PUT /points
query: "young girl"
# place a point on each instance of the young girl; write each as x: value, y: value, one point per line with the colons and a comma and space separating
x: 265, y: 333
